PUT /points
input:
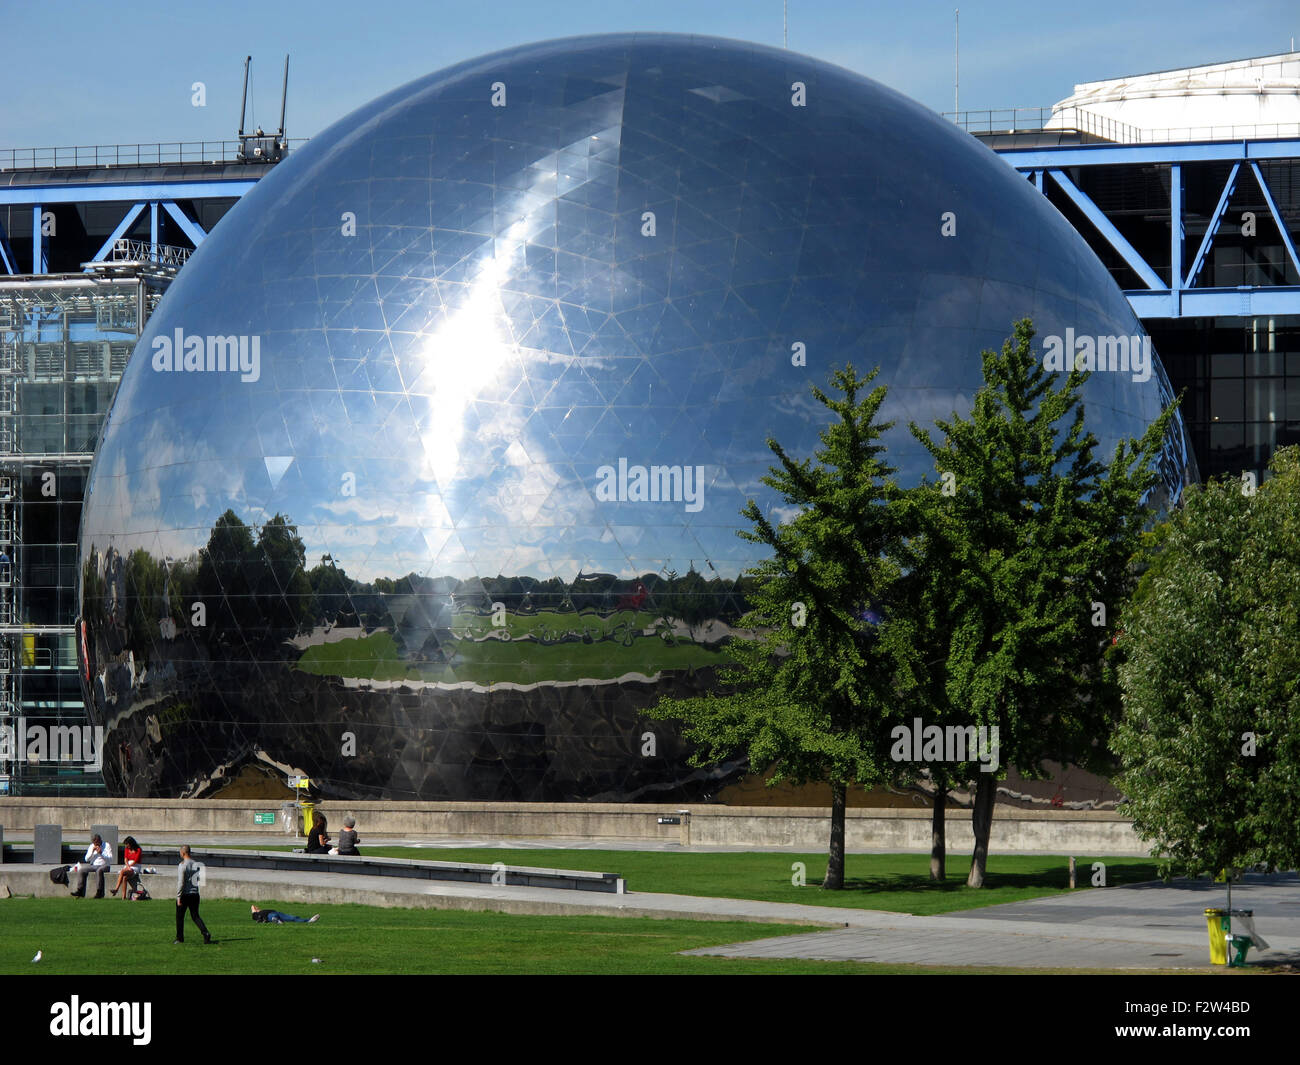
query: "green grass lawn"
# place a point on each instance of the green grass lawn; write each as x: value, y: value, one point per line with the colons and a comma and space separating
x: 136, y: 937
x: 552, y: 624
x: 898, y: 883
x: 128, y: 938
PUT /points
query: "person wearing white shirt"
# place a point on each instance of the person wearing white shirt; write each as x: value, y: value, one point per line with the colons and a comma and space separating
x: 98, y: 860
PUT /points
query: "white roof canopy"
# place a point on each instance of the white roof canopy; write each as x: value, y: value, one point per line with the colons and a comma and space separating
x: 1220, y: 101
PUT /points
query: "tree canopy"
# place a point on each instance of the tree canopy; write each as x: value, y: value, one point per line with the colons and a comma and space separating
x: 1026, y: 541
x: 1210, y: 737
x: 808, y: 695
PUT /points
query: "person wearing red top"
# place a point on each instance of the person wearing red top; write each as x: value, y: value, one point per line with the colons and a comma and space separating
x: 129, y: 874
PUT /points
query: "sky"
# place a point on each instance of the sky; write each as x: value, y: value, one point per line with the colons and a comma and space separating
x: 122, y: 72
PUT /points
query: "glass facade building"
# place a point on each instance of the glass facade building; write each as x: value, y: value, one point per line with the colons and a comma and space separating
x: 1241, y: 373
x: 425, y: 478
x: 64, y: 343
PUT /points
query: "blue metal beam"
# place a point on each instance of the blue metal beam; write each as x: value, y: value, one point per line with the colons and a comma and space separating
x: 1054, y: 158
x: 153, y: 224
x: 1213, y: 228
x: 1176, y: 235
x: 193, y: 230
x: 21, y: 195
x: 1107, y: 229
x: 7, y: 256
x: 128, y: 220
x: 1277, y: 215
x: 40, y: 245
x: 1242, y: 302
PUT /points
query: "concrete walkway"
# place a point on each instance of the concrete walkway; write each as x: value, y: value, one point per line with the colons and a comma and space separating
x: 1143, y: 926
x: 1148, y: 926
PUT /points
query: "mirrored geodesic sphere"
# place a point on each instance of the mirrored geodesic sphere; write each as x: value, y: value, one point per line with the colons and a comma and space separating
x: 425, y: 478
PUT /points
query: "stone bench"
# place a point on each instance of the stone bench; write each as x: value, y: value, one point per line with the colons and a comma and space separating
x: 165, y: 859
x: 465, y: 872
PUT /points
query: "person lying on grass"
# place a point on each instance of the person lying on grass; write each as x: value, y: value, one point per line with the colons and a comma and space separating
x: 276, y: 917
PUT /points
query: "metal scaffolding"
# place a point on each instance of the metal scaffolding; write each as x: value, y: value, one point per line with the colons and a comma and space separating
x: 63, y: 338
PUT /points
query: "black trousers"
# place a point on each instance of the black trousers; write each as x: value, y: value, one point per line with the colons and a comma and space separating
x: 98, y: 874
x: 190, y: 903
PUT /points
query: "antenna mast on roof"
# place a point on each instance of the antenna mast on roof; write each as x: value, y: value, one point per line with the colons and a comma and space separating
x: 284, y: 95
x: 243, y: 100
x: 257, y: 147
x: 956, y: 56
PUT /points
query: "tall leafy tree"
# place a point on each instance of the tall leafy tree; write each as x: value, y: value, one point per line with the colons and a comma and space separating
x: 810, y: 696
x: 226, y: 577
x: 1027, y: 541
x: 282, y: 588
x: 920, y: 615
x: 1210, y: 739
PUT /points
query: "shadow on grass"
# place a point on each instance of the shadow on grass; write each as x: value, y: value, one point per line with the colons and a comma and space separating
x: 1116, y: 875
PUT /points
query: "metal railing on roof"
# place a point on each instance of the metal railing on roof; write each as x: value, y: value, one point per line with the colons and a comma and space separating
x: 99, y: 155
x: 1036, y: 119
x: 1258, y: 132
x: 142, y: 251
x: 1081, y: 120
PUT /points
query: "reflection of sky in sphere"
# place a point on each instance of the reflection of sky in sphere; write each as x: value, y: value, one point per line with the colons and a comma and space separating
x: 439, y: 392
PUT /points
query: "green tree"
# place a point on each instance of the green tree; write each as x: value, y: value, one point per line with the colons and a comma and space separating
x: 1210, y: 738
x: 810, y: 696
x: 227, y: 573
x: 283, y: 590
x: 915, y: 638
x: 331, y: 592
x: 687, y: 599
x: 1025, y: 537
x: 146, y: 579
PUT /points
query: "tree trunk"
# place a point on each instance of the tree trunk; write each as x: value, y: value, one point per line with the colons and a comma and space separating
x: 981, y: 825
x: 938, y: 845
x: 835, y: 858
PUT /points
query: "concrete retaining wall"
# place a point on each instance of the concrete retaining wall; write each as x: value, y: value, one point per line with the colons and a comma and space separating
x: 227, y: 884
x: 1014, y: 830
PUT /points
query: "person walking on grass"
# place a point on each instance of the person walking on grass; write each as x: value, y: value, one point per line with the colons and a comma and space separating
x: 189, y: 874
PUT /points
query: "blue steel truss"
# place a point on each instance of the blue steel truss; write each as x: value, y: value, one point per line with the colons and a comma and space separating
x: 7, y: 258
x: 1179, y: 296
x: 159, y: 196
x: 1176, y: 297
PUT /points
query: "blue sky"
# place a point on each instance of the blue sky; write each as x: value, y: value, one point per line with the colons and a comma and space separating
x: 121, y: 72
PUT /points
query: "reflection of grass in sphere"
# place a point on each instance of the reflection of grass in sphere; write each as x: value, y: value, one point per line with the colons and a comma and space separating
x: 552, y: 624
x: 376, y: 657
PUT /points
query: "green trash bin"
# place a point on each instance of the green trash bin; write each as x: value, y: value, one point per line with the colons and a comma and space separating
x: 1226, y: 948
x: 1238, y: 945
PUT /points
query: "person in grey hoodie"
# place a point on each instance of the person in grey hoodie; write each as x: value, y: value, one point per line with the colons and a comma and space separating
x: 189, y: 874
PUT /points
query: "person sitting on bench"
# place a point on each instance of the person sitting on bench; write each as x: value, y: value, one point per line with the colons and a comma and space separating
x: 318, y: 842
x: 98, y: 859
x: 129, y: 875
x: 348, y: 838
